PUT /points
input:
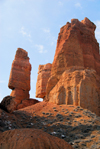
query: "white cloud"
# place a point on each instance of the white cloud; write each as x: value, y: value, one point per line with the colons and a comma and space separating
x: 40, y: 48
x: 49, y: 37
x: 78, y: 5
x: 25, y: 33
x: 97, y: 32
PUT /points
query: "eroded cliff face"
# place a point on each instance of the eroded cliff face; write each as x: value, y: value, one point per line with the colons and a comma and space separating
x: 75, y: 72
x: 76, y: 46
x: 44, y: 72
x: 78, y: 88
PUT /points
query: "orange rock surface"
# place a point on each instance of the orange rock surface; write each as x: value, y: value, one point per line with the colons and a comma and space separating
x: 76, y: 46
x: 27, y: 102
x: 19, y: 80
x: 75, y: 72
x: 9, y: 103
x: 20, y: 71
x: 78, y: 88
x: 44, y: 72
x: 31, y: 139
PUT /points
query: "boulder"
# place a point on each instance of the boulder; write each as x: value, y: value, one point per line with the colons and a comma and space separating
x: 9, y: 103
x: 31, y: 139
x: 27, y: 102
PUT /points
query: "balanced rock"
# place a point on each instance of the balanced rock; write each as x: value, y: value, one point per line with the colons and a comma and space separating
x: 75, y: 72
x: 19, y: 82
x: 31, y: 139
x: 44, y: 72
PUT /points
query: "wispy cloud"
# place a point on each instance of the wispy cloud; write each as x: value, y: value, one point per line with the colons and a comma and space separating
x: 40, y: 48
x: 25, y: 33
x: 97, y: 32
x: 49, y: 36
x: 78, y: 5
x: 53, y: 42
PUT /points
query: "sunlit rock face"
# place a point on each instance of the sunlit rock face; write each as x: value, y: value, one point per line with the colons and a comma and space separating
x: 76, y: 46
x: 75, y: 72
x: 78, y: 88
x: 19, y: 80
x: 44, y: 72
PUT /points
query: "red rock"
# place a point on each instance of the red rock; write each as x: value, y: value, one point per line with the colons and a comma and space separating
x: 20, y: 71
x: 78, y: 88
x: 27, y: 102
x: 44, y: 72
x: 76, y: 46
x: 75, y: 72
x: 31, y: 139
x: 19, y: 82
x: 8, y: 104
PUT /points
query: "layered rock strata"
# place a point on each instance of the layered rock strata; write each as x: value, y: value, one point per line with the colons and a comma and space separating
x: 75, y: 72
x: 44, y: 72
x: 76, y: 46
x: 19, y: 80
x: 78, y: 88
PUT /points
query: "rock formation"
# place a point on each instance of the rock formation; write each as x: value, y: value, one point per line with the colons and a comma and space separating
x: 76, y: 46
x: 9, y: 103
x: 19, y: 82
x: 44, y: 72
x: 78, y: 88
x: 75, y: 72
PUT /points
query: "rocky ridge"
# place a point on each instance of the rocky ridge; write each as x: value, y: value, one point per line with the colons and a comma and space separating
x: 77, y: 126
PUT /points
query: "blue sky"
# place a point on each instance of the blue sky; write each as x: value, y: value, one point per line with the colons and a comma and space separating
x: 34, y: 26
